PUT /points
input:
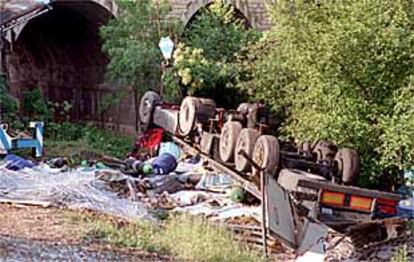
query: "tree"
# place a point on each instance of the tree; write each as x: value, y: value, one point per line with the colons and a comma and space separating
x: 8, y: 105
x: 343, y: 71
x: 131, y: 42
x: 204, y: 59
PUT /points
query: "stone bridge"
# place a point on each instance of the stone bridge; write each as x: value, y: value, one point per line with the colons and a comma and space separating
x: 60, y: 51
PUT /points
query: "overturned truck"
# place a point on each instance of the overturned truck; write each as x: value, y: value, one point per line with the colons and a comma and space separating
x: 306, y: 189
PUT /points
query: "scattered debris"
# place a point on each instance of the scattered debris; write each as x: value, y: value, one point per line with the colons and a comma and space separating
x: 304, y: 215
x: 78, y: 188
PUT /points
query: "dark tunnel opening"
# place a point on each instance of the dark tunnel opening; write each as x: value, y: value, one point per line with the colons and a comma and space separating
x: 60, y: 53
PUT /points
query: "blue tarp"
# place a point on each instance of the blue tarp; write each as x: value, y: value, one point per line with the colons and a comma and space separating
x: 17, y: 163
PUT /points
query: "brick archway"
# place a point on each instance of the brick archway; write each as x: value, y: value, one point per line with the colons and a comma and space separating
x: 196, y: 6
x: 255, y: 11
x: 60, y: 51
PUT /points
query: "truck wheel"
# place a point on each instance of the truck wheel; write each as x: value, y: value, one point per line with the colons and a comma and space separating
x: 348, y: 165
x: 325, y: 150
x: 147, y: 105
x: 187, y: 115
x: 246, y: 142
x: 228, y: 140
x: 266, y: 154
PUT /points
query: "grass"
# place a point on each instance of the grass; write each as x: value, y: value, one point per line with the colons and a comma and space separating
x: 192, y: 238
x: 67, y: 148
x: 184, y: 237
x: 76, y: 137
x: 410, y: 225
x: 401, y: 255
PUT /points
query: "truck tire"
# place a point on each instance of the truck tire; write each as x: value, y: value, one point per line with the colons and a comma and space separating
x: 348, y: 165
x: 228, y: 139
x: 246, y: 142
x: 195, y: 110
x: 187, y: 115
x: 325, y: 150
x: 266, y: 154
x: 147, y: 105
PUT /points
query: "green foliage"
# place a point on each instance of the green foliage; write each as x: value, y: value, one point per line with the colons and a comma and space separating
x: 131, y: 42
x: 65, y: 131
x: 410, y: 225
x: 8, y: 105
x: 219, y: 31
x: 108, y: 142
x: 173, y: 92
x: 341, y: 70
x: 35, y: 106
x: 194, y: 239
x: 108, y: 100
x: 97, y: 140
x: 203, y: 61
x: 401, y: 255
x: 61, y: 111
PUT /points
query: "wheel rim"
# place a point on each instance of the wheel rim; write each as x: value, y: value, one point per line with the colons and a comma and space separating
x: 259, y: 156
x: 184, y: 118
x: 224, y: 143
x: 147, y: 106
x: 240, y: 159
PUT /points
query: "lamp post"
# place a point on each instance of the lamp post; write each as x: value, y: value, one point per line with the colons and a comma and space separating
x: 166, y: 46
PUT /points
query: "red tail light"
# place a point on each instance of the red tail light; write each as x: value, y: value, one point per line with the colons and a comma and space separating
x: 387, y: 206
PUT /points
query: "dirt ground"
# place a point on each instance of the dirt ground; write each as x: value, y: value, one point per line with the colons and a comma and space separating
x: 36, y: 233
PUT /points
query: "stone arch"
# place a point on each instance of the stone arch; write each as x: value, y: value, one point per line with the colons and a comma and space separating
x: 194, y: 6
x: 60, y: 52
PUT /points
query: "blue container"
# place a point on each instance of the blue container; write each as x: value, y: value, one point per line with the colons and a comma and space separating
x: 164, y: 164
x: 170, y: 148
x: 17, y: 163
x: 406, y: 208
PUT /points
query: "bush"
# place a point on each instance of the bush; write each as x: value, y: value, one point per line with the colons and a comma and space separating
x: 65, y: 131
x: 342, y: 70
x: 101, y: 141
x: 35, y: 106
x: 8, y: 105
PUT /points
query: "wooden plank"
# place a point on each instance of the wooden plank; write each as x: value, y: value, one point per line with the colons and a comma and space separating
x: 26, y: 202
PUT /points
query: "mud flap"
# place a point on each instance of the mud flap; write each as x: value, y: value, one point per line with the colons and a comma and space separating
x: 301, y: 233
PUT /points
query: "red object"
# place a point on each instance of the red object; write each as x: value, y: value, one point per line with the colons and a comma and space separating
x: 387, y: 206
x: 148, y: 141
